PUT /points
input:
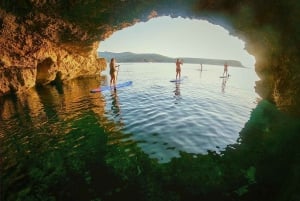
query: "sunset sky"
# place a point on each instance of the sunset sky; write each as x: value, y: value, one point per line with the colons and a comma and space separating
x: 179, y: 38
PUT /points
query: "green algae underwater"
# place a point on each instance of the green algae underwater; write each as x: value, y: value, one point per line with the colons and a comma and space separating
x: 264, y: 165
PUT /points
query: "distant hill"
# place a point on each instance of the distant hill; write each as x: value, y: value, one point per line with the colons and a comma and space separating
x: 129, y: 57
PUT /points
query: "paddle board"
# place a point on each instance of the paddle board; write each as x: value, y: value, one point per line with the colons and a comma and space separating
x: 178, y: 80
x: 105, y: 88
x: 224, y: 76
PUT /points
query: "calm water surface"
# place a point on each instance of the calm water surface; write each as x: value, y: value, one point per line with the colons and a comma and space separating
x: 203, y: 112
x: 57, y: 134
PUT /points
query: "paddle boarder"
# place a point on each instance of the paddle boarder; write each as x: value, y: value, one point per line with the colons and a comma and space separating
x: 225, y: 69
x: 113, y: 72
x: 178, y: 68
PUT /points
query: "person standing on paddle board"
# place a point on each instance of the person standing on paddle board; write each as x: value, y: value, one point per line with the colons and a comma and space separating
x: 225, y: 69
x: 113, y: 72
x: 178, y: 68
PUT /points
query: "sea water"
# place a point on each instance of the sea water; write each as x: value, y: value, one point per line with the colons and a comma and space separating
x: 58, y: 138
x: 202, y: 113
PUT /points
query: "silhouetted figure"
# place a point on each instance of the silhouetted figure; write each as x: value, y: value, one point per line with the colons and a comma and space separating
x: 113, y: 72
x: 178, y: 68
x: 225, y: 69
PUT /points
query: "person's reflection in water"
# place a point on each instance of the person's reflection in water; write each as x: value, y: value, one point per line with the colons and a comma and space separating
x: 201, y: 72
x: 116, y: 120
x: 224, y: 81
x: 177, y: 92
x: 115, y: 105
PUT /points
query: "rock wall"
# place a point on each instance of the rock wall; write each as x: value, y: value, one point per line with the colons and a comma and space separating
x: 29, y: 57
x: 60, y: 37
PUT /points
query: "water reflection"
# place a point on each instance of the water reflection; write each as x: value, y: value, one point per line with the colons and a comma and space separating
x: 200, y: 70
x: 115, y: 103
x: 177, y: 89
x: 116, y: 110
x: 65, y: 148
x: 177, y: 93
x: 47, y: 136
x: 224, y: 81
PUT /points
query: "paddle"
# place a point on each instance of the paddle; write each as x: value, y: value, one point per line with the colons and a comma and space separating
x: 117, y: 71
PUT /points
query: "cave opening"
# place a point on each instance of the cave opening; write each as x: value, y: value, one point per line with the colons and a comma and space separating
x: 210, y: 105
x: 179, y: 37
x: 69, y: 145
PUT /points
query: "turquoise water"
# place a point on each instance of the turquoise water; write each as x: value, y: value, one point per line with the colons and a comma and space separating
x: 203, y: 139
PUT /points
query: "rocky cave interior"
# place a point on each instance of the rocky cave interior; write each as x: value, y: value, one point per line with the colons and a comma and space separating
x: 45, y: 40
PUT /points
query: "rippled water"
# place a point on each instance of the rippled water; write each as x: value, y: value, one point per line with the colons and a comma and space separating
x: 203, y: 112
x: 149, y: 141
